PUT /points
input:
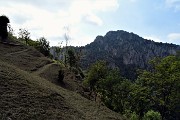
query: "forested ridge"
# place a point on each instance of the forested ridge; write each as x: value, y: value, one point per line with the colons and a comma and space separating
x: 126, y: 51
x: 154, y: 95
x: 133, y: 76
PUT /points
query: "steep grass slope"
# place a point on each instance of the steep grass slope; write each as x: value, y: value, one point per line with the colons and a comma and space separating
x: 25, y: 94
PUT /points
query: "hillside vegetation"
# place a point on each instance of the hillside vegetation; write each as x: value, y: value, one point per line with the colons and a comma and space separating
x: 29, y: 90
x: 136, y: 77
x: 126, y: 51
x: 154, y: 95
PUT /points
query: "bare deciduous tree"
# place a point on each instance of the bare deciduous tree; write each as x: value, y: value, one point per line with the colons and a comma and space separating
x: 67, y: 38
x: 24, y: 34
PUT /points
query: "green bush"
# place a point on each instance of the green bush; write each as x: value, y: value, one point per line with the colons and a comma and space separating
x: 43, y: 46
x: 131, y: 115
x: 152, y: 115
x: 96, y: 72
x: 74, y: 70
x: 61, y: 76
x: 81, y: 72
x: 134, y: 116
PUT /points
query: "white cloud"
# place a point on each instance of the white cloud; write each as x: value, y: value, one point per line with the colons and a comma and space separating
x: 154, y: 38
x: 84, y: 40
x: 93, y: 19
x: 87, y: 9
x: 105, y: 5
x: 50, y: 5
x: 174, y: 37
x: 48, y: 18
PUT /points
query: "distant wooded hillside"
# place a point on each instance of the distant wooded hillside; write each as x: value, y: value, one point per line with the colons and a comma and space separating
x: 125, y: 50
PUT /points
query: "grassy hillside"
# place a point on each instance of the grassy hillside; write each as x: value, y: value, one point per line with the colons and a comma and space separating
x: 25, y: 58
x: 27, y: 90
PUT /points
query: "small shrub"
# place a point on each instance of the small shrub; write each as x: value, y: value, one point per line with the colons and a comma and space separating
x: 134, y: 116
x: 152, y: 115
x: 43, y: 46
x: 81, y: 73
x: 74, y: 70
x: 61, y: 76
x: 131, y: 115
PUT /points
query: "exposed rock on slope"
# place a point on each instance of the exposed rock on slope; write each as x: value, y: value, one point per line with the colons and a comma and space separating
x: 126, y: 51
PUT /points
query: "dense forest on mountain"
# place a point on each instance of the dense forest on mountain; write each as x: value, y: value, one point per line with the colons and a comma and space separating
x: 126, y: 51
x: 133, y: 76
x: 156, y: 90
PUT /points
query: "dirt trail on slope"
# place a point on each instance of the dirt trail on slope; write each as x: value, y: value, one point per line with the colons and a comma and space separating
x: 25, y: 58
x: 25, y: 94
x: 17, y: 52
x: 42, y: 69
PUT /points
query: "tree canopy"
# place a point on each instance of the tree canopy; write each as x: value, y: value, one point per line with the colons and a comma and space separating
x: 155, y: 93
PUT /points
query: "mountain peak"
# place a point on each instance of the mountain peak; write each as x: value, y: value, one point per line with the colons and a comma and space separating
x: 123, y: 50
x: 121, y: 35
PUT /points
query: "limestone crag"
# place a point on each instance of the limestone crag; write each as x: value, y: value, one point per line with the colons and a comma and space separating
x: 126, y: 51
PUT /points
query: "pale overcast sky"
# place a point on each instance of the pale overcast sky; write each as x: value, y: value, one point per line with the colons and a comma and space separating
x: 158, y: 20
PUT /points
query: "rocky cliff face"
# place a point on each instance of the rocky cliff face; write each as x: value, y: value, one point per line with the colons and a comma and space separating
x: 126, y: 51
